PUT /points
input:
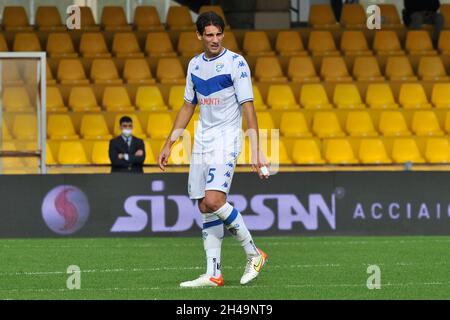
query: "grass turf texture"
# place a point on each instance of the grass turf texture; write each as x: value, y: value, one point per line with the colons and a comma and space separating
x: 298, y: 268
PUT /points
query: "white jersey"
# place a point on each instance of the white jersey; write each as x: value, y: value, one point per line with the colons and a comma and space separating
x: 219, y: 86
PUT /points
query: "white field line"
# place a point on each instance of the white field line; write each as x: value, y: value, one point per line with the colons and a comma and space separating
x: 271, y: 266
x: 253, y: 287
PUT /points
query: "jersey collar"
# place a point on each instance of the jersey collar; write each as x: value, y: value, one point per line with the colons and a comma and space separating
x: 216, y: 57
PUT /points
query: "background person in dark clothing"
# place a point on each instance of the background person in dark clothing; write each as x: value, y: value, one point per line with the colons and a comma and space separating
x: 126, y: 152
x: 418, y: 12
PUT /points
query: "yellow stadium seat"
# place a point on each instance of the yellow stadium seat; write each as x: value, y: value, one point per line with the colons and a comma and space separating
x: 94, y: 127
x: 25, y: 127
x: 314, y: 96
x: 322, y: 16
x: 294, y: 125
x: 447, y: 123
x: 60, y: 127
x: 180, y: 154
x: 146, y: 18
x: 373, y: 151
x: 15, y: 19
x: 100, y: 153
x: 87, y: 21
x: 117, y: 99
x: 149, y: 98
x: 425, y: 123
x: 16, y: 99
x: 59, y: 45
x: 10, y: 73
x: 176, y: 97
x: 392, y: 123
x: 281, y: 97
x: 432, y: 69
x: 268, y: 69
x: 412, y: 96
x: 193, y: 123
x: 214, y: 8
x: 149, y: 157
x: 10, y: 162
x: 346, y: 96
x: 5, y: 131
x: 306, y: 151
x: 289, y: 43
x: 83, y: 99
x: 389, y: 16
x: 179, y: 18
x: 72, y: 153
x: 114, y: 19
x: 440, y: 95
x: 353, y: 16
x: 418, y: 42
x: 386, y: 42
x: 158, y: 44
x: 339, y: 151
x: 258, y: 101
x: 170, y: 71
x: 55, y: 101
x: 229, y: 41
x: 125, y: 45
x: 93, y: 45
x: 159, y: 125
x: 188, y: 44
x: 137, y: 128
x: 359, y: 124
x: 399, y: 69
x: 334, y: 69
x: 367, y: 69
x: 265, y: 121
x: 26, y: 41
x: 104, y: 71
x: 406, y: 150
x: 326, y: 125
x: 256, y: 43
x: 3, y: 43
x: 137, y: 71
x: 380, y: 96
x: 444, y: 42
x: 48, y: 19
x: 49, y: 76
x: 301, y: 69
x: 437, y: 150
x: 71, y: 71
x: 280, y: 156
x: 321, y: 43
x: 49, y: 158
x: 354, y: 43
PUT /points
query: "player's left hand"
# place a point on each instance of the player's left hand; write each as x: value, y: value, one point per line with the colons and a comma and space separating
x: 259, y: 161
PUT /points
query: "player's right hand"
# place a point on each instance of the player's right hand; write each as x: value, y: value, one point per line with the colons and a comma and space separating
x: 164, y: 157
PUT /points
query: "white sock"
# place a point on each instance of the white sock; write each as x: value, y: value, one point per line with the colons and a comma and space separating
x: 235, y: 224
x: 212, y: 235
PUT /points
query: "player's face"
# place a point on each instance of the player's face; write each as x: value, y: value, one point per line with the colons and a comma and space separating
x: 212, y: 40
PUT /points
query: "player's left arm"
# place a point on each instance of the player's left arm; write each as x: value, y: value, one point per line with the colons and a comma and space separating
x: 258, y: 160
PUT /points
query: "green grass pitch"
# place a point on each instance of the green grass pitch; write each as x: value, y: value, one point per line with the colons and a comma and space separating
x: 298, y: 268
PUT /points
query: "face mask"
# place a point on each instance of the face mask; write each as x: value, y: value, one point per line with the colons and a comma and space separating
x: 127, y: 132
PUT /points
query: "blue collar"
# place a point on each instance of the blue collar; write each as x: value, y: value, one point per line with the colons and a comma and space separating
x: 216, y: 57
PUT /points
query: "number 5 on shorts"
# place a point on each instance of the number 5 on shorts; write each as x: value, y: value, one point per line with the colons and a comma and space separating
x: 211, y: 175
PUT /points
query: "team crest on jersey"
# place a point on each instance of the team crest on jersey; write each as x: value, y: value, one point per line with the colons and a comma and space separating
x: 219, y: 66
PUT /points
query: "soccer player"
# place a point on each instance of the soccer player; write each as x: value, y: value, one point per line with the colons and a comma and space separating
x: 219, y: 81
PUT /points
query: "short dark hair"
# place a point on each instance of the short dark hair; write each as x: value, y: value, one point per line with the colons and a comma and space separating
x: 125, y: 119
x: 209, y: 18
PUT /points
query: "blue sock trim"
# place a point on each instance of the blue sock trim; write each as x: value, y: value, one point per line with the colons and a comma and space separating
x: 212, y: 224
x: 231, y: 217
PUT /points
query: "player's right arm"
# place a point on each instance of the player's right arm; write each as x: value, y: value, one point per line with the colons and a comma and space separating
x: 181, y: 121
